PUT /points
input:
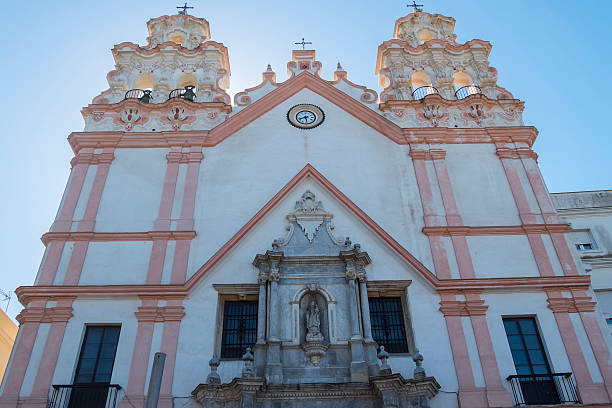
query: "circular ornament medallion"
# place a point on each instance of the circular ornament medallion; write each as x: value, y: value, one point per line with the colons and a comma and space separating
x: 305, y: 116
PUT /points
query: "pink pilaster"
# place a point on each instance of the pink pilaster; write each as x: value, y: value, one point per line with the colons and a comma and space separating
x: 497, y: 395
x: 173, y: 313
x: 181, y: 252
x: 63, y: 223
x: 147, y: 314
x: 77, y: 258
x: 469, y: 394
x: 158, y: 252
x: 29, y: 321
x: 529, y: 160
x: 436, y: 243
x: 563, y: 253
x: 561, y: 306
x: 59, y: 316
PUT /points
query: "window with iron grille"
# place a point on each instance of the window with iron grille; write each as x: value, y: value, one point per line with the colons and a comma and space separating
x: 387, y: 320
x: 97, y: 356
x: 239, y: 328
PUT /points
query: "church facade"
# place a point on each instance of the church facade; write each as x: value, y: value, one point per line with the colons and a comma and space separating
x: 309, y: 243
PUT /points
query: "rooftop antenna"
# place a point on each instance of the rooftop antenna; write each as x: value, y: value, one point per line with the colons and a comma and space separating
x: 6, y: 297
x: 415, y: 6
x: 303, y: 43
x: 184, y: 9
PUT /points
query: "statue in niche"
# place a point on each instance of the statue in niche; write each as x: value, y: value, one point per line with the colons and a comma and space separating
x: 313, y: 323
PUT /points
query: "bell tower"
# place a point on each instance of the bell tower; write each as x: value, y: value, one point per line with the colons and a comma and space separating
x: 424, y: 53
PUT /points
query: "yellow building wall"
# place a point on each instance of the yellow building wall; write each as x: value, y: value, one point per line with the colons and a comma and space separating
x: 8, y: 332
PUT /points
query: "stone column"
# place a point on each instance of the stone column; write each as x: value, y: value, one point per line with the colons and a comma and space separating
x: 261, y: 308
x: 359, y: 369
x: 370, y: 344
x: 275, y: 370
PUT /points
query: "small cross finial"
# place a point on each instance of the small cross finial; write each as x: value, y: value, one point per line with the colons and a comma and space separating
x: 303, y: 43
x: 415, y: 6
x: 184, y: 9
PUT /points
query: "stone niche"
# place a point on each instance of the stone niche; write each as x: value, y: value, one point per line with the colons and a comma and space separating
x: 314, y: 342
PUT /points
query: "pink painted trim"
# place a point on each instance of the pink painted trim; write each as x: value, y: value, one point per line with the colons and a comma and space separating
x: 420, y: 170
x: 564, y: 254
x: 169, y: 346
x: 500, y: 397
x: 51, y: 263
x: 446, y: 189
x: 522, y: 205
x: 50, y: 237
x: 464, y: 259
x: 540, y: 255
x: 156, y: 262
x: 169, y: 190
x: 22, y: 350
x: 539, y: 190
x: 572, y: 348
x: 64, y: 221
x: 484, y: 230
x: 95, y: 196
x: 440, y: 258
x: 140, y: 358
x: 75, y: 266
x: 599, y: 347
x: 191, y: 186
x: 461, y: 358
x: 48, y: 361
x: 180, y: 262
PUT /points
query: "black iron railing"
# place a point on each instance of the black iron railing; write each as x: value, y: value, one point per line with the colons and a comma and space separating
x: 542, y: 389
x: 184, y: 93
x: 84, y: 396
x: 143, y: 95
x: 422, y: 91
x: 466, y: 91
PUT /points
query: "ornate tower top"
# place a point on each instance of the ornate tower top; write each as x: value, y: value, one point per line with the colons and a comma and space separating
x: 418, y: 27
x: 182, y: 29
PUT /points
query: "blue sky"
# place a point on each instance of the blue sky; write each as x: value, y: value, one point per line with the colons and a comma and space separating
x: 555, y: 56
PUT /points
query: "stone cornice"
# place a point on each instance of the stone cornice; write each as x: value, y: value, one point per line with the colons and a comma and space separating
x: 92, y: 158
x: 577, y: 303
x: 524, y: 229
x: 61, y: 312
x: 118, y: 236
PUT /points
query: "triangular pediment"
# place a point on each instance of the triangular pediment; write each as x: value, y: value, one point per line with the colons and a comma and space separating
x: 308, y: 225
x: 290, y: 88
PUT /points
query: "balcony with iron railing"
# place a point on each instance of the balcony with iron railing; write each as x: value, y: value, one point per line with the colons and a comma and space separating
x: 84, y: 396
x: 187, y: 93
x: 142, y: 95
x: 543, y: 389
x: 422, y: 91
x: 466, y: 91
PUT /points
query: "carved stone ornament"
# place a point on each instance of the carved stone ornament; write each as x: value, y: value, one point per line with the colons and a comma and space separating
x: 177, y: 116
x: 433, y: 113
x: 129, y: 117
x: 309, y: 214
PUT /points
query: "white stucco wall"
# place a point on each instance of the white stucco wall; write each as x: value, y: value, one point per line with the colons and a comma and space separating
x: 131, y: 197
x: 364, y: 165
x: 116, y: 263
x: 502, y: 256
x: 480, y: 185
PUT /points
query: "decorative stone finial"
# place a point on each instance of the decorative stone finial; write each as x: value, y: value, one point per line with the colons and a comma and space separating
x: 248, y: 371
x: 269, y: 69
x: 419, y: 371
x: 339, y: 67
x: 385, y: 368
x: 357, y: 247
x: 213, y: 376
x: 347, y: 242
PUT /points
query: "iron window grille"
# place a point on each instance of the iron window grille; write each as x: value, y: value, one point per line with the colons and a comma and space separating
x: 239, y: 328
x: 387, y: 321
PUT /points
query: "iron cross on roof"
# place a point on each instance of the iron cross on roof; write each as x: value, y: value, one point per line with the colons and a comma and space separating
x: 185, y: 7
x: 303, y: 43
x: 415, y: 6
